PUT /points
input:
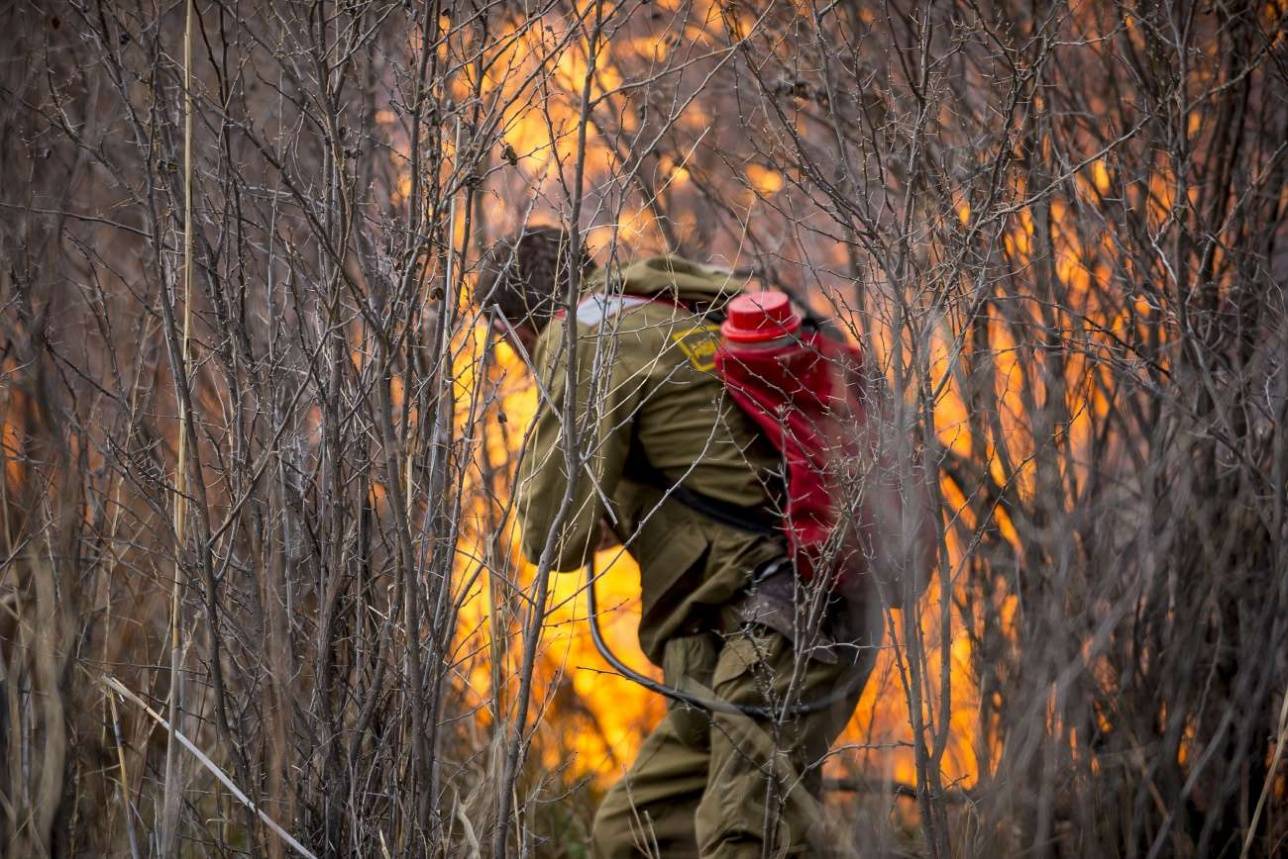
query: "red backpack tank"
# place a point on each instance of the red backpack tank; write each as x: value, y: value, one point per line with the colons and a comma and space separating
x: 804, y: 389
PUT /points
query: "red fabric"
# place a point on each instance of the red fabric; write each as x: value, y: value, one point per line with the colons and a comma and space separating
x: 804, y: 395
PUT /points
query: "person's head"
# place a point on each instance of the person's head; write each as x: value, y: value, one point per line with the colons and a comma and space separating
x: 524, y: 276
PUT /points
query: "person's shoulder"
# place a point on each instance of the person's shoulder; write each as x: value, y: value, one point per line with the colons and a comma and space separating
x: 675, y: 275
x: 618, y: 311
x: 645, y: 299
x: 639, y: 320
x: 665, y: 267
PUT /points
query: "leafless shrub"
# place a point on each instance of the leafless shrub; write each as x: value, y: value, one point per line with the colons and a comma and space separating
x: 1057, y: 229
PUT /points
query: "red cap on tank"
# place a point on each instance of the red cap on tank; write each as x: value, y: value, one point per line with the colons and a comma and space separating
x: 760, y: 316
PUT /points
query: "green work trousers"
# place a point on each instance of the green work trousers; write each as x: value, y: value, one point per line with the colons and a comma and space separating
x: 722, y: 786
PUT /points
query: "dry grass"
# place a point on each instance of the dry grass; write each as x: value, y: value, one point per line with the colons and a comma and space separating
x: 1058, y: 229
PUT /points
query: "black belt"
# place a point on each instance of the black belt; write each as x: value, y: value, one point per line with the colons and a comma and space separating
x: 755, y: 519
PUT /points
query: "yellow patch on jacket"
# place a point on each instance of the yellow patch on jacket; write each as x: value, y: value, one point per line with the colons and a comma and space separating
x: 699, y: 345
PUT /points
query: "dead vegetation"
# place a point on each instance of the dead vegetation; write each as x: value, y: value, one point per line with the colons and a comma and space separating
x: 1058, y: 229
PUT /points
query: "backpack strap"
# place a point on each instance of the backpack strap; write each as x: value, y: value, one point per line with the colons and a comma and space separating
x: 754, y: 520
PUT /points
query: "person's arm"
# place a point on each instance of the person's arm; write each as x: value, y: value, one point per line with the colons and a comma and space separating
x: 606, y: 396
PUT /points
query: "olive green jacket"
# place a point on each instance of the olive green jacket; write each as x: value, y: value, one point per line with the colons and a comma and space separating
x: 644, y: 387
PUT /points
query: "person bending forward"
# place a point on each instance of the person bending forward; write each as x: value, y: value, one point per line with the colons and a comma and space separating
x: 722, y: 611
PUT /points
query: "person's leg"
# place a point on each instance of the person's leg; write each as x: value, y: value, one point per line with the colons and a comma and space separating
x: 763, y: 779
x: 650, y: 812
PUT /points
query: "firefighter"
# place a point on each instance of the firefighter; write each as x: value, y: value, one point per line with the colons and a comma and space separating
x: 723, y: 614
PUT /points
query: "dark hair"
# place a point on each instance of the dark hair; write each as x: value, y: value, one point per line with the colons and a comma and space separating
x: 524, y: 276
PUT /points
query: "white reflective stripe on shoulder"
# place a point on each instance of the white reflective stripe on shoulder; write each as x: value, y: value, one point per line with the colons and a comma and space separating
x: 594, y: 309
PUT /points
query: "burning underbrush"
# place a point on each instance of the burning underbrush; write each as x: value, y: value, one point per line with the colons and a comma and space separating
x: 257, y: 459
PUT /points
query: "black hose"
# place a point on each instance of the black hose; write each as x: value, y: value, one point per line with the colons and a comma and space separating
x: 702, y: 702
